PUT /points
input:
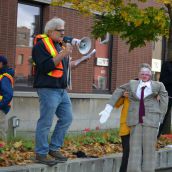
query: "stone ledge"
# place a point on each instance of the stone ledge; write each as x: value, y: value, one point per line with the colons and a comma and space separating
x: 110, y: 163
x: 72, y: 95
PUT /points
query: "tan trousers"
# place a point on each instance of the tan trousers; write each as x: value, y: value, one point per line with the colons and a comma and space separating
x: 3, y: 130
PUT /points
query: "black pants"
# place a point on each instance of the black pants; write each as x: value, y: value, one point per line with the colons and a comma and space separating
x: 125, y: 155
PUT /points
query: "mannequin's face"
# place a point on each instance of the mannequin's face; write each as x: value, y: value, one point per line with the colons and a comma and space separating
x: 144, y: 76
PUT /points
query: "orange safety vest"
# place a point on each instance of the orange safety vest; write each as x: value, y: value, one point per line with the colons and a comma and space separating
x: 58, y: 72
x: 12, y: 83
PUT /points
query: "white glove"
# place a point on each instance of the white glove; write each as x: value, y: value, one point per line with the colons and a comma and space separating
x: 105, y: 114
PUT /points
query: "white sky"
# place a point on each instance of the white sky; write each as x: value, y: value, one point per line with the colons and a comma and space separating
x: 26, y: 15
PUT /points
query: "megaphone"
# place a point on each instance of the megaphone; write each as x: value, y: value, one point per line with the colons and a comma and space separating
x: 83, y: 45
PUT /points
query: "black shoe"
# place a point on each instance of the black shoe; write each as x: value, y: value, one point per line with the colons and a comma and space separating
x: 44, y: 159
x: 58, y: 156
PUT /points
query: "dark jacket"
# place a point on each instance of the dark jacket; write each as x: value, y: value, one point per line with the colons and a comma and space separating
x: 44, y: 64
x: 6, y: 90
x: 166, y: 76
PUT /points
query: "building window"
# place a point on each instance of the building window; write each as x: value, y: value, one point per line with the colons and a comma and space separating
x: 21, y: 35
x: 29, y: 17
x: 101, y: 68
x: 20, y: 59
x: 102, y: 82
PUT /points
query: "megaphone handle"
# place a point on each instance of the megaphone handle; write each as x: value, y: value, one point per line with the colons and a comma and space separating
x: 76, y: 41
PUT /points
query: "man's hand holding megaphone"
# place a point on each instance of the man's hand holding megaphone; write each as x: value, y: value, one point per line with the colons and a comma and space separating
x: 68, y: 49
x: 83, y: 45
x: 64, y: 53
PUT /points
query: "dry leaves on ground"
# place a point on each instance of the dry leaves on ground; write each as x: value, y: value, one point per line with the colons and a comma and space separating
x: 20, y: 153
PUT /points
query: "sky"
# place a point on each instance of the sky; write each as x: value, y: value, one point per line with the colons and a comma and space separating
x: 26, y: 15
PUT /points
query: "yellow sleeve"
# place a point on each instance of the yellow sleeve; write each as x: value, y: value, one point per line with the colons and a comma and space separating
x: 119, y: 102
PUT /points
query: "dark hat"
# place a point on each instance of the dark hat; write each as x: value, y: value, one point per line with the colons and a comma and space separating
x: 3, y: 59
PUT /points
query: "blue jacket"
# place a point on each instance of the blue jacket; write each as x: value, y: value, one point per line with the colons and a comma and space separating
x: 6, y: 90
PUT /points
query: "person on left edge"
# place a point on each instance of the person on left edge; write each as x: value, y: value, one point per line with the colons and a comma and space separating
x: 52, y: 77
x: 6, y: 94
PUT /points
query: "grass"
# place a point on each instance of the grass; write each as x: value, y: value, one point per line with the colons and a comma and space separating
x: 91, y: 137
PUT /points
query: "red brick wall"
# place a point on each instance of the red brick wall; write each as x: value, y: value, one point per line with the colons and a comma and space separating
x: 124, y: 64
x: 8, y: 19
x: 23, y: 70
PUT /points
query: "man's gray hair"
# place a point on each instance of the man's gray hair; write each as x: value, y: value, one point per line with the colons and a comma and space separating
x: 53, y: 24
x: 145, y: 65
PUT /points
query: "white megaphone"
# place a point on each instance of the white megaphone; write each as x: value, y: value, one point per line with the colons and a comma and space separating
x: 83, y: 45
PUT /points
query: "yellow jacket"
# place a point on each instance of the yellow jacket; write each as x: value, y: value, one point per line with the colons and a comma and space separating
x: 124, y: 129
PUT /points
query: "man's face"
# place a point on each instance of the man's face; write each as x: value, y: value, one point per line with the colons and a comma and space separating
x: 144, y: 76
x: 57, y: 34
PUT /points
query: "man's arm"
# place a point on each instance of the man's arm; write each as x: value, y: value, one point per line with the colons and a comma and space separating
x: 75, y: 63
x: 6, y: 91
x: 44, y: 61
x: 118, y: 93
x: 163, y: 100
x: 64, y: 53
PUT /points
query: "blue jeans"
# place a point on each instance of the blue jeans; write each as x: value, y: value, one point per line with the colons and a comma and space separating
x: 52, y: 102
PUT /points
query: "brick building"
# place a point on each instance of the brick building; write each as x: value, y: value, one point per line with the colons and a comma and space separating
x: 112, y: 65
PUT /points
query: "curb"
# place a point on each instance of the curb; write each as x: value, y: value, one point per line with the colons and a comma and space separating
x: 109, y: 163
